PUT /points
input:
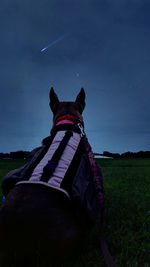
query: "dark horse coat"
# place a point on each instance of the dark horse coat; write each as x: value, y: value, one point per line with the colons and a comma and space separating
x: 40, y: 219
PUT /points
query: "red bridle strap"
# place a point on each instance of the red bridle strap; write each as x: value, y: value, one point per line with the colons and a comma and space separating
x: 68, y: 117
x: 72, y: 119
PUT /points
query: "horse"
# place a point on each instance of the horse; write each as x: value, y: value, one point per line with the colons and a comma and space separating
x: 40, y: 220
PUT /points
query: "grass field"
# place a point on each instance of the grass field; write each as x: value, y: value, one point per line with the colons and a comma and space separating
x: 127, y: 216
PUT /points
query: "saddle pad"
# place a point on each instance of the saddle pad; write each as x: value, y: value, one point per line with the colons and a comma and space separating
x: 63, y: 164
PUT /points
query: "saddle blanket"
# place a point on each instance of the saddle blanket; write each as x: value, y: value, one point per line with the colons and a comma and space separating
x: 63, y: 164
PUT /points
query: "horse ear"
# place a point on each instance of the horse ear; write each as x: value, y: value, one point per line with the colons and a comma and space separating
x: 80, y: 100
x: 54, y: 101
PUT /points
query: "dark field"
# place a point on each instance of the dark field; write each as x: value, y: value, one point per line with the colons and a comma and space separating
x: 127, y: 216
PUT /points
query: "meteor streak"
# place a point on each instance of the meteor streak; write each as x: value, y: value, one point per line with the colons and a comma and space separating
x: 55, y: 42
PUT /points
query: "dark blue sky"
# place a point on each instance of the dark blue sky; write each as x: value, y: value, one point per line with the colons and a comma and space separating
x: 107, y: 52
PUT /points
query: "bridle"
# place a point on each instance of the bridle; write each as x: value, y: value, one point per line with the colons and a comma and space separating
x: 67, y: 118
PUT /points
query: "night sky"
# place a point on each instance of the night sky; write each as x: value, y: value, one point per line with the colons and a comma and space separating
x: 105, y: 49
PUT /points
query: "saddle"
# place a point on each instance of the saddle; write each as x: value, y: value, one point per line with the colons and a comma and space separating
x: 73, y: 176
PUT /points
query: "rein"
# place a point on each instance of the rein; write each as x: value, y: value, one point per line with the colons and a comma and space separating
x: 94, y: 167
x: 97, y: 178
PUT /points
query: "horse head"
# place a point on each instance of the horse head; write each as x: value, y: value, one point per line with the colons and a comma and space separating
x: 74, y: 109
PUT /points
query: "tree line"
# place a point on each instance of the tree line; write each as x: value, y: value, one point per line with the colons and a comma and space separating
x: 24, y: 154
x: 15, y: 155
